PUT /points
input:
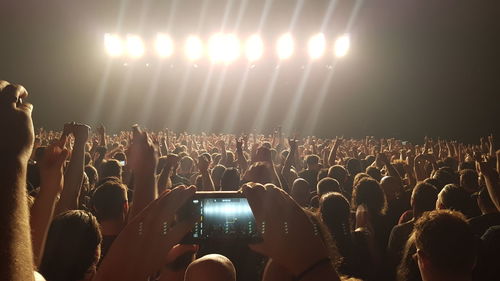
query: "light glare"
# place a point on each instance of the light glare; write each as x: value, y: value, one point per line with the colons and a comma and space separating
x: 135, y: 46
x: 223, y: 47
x: 164, y: 45
x: 284, y: 46
x: 342, y: 45
x: 316, y: 46
x: 193, y: 48
x: 254, y: 48
x: 113, y: 45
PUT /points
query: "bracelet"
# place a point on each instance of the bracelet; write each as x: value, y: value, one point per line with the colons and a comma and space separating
x: 311, y: 268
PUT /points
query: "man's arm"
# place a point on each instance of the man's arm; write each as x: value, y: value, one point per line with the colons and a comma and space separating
x: 143, y: 159
x: 51, y: 185
x: 16, y: 143
x: 73, y: 177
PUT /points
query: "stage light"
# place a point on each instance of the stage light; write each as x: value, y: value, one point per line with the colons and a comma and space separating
x: 254, y: 48
x: 223, y: 47
x: 316, y: 46
x: 113, y: 45
x: 342, y: 45
x: 135, y: 46
x: 193, y: 48
x: 164, y: 45
x: 284, y: 46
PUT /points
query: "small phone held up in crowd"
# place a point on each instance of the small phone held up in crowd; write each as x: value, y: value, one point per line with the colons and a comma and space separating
x: 221, y: 216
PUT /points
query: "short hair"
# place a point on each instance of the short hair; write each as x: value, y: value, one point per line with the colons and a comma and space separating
x: 186, y: 163
x: 447, y: 241
x: 71, y: 247
x: 374, y: 172
x: 469, y: 179
x: 230, y: 180
x: 368, y: 192
x: 359, y: 177
x: 108, y: 200
x: 327, y: 185
x: 111, y: 168
x: 213, y: 267
x: 353, y: 165
x: 312, y: 159
x: 217, y: 173
x: 424, y: 198
x: 444, y: 176
x: 323, y: 173
x: 120, y: 156
x: 338, y: 172
x: 455, y: 198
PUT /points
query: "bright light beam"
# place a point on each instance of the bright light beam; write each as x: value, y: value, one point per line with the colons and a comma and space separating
x: 254, y: 48
x: 342, y: 45
x: 285, y: 46
x: 113, y: 45
x: 223, y: 48
x: 135, y: 46
x: 316, y: 46
x: 193, y: 48
x: 164, y: 45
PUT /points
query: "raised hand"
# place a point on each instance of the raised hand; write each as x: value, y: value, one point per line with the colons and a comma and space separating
x: 51, y: 167
x: 15, y: 122
x: 142, y: 154
x: 139, y: 251
x: 285, y: 229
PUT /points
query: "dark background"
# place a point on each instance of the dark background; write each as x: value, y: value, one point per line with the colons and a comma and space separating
x: 415, y: 68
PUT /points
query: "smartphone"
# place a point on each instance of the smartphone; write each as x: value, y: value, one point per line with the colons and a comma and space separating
x: 221, y: 216
x: 121, y: 163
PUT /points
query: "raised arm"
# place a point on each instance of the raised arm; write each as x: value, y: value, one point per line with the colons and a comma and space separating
x: 333, y: 152
x: 51, y: 185
x: 242, y: 161
x: 142, y: 159
x: 492, y: 182
x: 73, y: 177
x: 16, y: 143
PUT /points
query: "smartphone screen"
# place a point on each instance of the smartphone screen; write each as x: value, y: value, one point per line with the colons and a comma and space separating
x: 220, y: 216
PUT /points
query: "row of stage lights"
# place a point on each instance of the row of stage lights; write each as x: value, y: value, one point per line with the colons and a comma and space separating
x: 222, y: 47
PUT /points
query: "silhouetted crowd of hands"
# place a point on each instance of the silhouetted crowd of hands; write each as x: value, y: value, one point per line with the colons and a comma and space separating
x: 345, y: 203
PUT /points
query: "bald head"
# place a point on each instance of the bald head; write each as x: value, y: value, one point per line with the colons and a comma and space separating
x: 211, y: 267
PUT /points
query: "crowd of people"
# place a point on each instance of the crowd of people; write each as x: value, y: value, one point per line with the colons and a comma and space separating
x: 82, y: 204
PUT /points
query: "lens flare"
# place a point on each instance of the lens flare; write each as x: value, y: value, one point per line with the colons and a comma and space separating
x: 342, y: 45
x: 135, y: 46
x: 193, y: 48
x: 254, y: 48
x: 164, y: 45
x: 285, y: 46
x: 316, y: 46
x: 113, y: 45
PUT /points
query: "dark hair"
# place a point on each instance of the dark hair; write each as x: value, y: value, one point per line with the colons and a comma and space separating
x: 323, y: 173
x: 108, y: 200
x: 91, y: 174
x: 444, y: 176
x: 230, y: 180
x: 120, y: 156
x: 338, y: 172
x: 72, y: 246
x: 423, y: 198
x: 456, y: 198
x: 368, y: 192
x: 327, y: 185
x: 312, y: 159
x: 353, y: 166
x: 359, y: 177
x: 469, y: 179
x: 217, y: 173
x: 446, y: 239
x: 374, y: 172
x: 111, y: 168
x: 258, y: 173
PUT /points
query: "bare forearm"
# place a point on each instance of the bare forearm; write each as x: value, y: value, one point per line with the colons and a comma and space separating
x: 145, y: 192
x: 493, y: 186
x: 41, y: 216
x: 73, y: 179
x: 16, y: 257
